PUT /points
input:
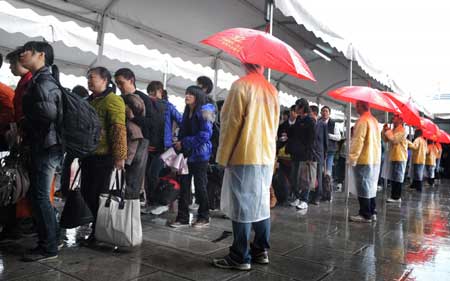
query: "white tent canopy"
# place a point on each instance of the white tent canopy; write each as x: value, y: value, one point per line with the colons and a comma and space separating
x: 157, y: 37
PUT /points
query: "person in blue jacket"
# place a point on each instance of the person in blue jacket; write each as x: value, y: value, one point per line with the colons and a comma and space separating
x: 194, y: 141
x: 172, y: 115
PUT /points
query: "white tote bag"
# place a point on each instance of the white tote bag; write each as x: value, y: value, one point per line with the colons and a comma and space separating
x: 118, y: 219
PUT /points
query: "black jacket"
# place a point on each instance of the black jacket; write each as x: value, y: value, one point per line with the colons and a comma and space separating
x: 283, y: 128
x: 153, y: 124
x: 301, y: 138
x: 321, y: 142
x: 42, y: 109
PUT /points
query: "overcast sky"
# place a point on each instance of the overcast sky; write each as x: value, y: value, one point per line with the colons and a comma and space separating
x: 408, y: 39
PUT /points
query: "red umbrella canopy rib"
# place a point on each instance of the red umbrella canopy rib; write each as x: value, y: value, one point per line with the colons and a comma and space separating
x: 370, y: 95
x: 408, y: 109
x: 257, y: 47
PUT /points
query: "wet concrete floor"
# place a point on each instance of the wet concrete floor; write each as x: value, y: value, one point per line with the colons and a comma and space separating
x: 409, y: 241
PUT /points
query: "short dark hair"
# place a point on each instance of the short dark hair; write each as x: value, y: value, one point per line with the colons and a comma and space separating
x: 80, y: 91
x: 47, y: 49
x: 314, y: 108
x: 323, y: 107
x: 303, y: 103
x: 286, y: 112
x: 13, y: 56
x: 155, y: 86
x: 292, y: 108
x: 126, y: 73
x: 206, y: 83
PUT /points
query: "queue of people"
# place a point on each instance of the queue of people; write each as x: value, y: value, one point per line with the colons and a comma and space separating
x: 137, y: 128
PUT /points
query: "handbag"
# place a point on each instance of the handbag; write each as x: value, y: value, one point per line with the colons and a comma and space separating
x: 118, y: 219
x: 75, y: 212
x: 14, y: 178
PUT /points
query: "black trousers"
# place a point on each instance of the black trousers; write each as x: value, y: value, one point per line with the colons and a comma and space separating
x: 367, y: 207
x: 396, y: 190
x: 418, y: 185
x: 95, y: 178
x: 198, y: 170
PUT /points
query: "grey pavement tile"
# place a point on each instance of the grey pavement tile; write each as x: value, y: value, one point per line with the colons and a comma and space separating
x: 258, y: 276
x: 48, y: 276
x: 12, y: 268
x: 342, y: 275
x: 187, y: 265
x: 97, y: 266
x: 181, y: 241
x: 160, y: 276
x: 294, y: 268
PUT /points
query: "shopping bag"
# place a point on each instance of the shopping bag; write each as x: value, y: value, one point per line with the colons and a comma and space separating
x: 118, y: 219
x: 75, y: 212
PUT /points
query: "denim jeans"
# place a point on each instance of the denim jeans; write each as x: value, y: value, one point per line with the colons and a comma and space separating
x: 330, y: 162
x: 295, y: 188
x: 44, y: 164
x: 198, y: 170
x: 240, y: 249
x: 367, y: 207
x: 154, y: 167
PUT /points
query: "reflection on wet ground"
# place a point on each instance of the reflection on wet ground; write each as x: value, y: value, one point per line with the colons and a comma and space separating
x: 409, y: 241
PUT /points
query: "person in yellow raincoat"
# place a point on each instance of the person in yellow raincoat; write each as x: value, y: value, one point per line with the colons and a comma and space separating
x: 419, y: 152
x: 365, y: 157
x: 430, y: 162
x: 438, y: 160
x: 247, y: 147
x: 398, y: 156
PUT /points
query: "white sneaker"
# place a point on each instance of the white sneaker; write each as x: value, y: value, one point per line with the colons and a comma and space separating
x: 339, y: 187
x: 295, y: 203
x: 159, y: 210
x: 302, y: 206
x: 390, y: 200
x: 359, y: 218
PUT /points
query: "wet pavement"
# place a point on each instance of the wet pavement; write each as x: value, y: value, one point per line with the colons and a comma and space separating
x: 409, y: 241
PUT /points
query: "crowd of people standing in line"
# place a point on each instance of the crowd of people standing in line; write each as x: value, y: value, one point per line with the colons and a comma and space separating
x: 137, y: 128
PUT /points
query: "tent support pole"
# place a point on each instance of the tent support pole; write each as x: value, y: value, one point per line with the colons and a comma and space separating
x: 269, y: 17
x: 349, y: 125
x: 216, y: 76
x: 166, y: 70
x: 385, y: 181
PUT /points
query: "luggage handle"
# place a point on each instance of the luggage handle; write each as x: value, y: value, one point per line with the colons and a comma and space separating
x: 120, y: 179
x: 77, y: 174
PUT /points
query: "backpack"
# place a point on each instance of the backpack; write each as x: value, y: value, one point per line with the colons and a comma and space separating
x: 167, y: 190
x: 79, y: 124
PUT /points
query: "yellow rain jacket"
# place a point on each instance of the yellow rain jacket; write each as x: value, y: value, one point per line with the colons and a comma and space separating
x: 398, y: 144
x: 365, y: 148
x: 419, y: 150
x: 249, y: 123
x: 432, y: 152
x: 439, y: 150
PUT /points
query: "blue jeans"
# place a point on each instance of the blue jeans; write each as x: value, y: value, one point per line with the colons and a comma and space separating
x: 154, y: 167
x: 44, y: 164
x: 240, y: 250
x: 330, y: 162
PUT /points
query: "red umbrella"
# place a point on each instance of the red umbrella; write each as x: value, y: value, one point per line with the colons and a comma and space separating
x: 370, y: 95
x: 408, y: 109
x: 257, y: 47
x: 444, y: 137
x: 430, y: 130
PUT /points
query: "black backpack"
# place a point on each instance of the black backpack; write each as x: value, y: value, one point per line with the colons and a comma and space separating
x: 79, y: 124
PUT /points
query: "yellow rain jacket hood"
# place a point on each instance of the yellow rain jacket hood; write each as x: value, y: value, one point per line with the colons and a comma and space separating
x: 398, y: 144
x: 365, y: 146
x: 419, y: 150
x: 253, y: 141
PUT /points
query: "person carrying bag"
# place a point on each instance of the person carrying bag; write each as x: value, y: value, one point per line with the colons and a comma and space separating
x: 118, y: 219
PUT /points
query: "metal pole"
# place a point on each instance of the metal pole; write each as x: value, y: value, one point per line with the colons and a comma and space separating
x: 216, y: 77
x: 385, y: 182
x: 349, y: 125
x: 166, y: 70
x: 270, y: 10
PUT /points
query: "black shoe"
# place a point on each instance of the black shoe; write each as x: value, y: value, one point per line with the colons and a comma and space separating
x: 89, y: 242
x: 38, y: 254
x: 261, y: 258
x: 200, y: 223
x: 227, y: 263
